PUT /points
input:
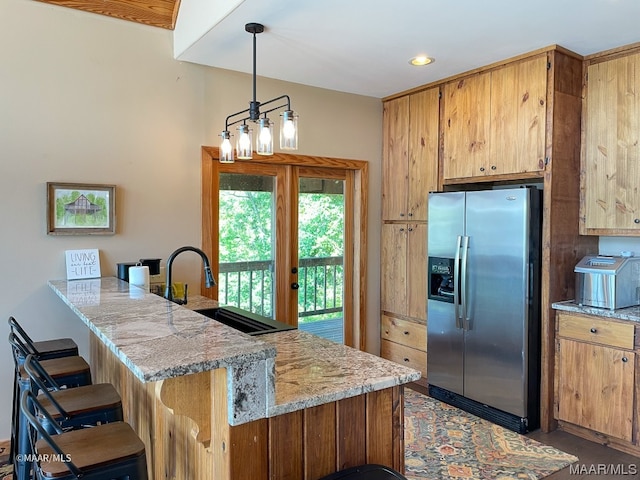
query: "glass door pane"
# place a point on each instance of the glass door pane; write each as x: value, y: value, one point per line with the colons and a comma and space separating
x: 321, y: 239
x: 247, y: 242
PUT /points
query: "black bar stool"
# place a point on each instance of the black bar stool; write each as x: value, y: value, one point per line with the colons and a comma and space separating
x: 74, y: 407
x: 366, y: 472
x: 71, y: 371
x: 68, y: 371
x: 46, y: 349
x: 43, y: 350
x: 108, y: 451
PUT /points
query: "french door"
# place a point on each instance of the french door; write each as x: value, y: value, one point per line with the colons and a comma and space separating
x: 285, y: 240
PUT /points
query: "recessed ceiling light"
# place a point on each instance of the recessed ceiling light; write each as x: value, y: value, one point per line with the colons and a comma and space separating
x: 421, y: 60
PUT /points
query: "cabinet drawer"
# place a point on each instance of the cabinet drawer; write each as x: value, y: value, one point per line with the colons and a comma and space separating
x: 404, y: 332
x: 598, y: 330
x: 404, y: 355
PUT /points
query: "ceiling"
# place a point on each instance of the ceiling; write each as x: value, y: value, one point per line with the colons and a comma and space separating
x: 364, y: 46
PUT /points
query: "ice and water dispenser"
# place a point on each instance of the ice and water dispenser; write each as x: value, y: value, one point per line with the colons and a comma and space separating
x: 441, y: 279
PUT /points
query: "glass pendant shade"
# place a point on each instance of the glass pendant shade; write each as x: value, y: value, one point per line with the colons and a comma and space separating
x: 226, y: 149
x: 264, y: 140
x: 244, y: 143
x: 289, y: 130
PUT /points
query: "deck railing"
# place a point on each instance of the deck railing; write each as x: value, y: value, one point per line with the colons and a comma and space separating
x: 249, y: 285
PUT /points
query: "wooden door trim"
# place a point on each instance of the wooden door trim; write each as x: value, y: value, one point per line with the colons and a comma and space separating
x: 358, y: 170
x: 291, y: 219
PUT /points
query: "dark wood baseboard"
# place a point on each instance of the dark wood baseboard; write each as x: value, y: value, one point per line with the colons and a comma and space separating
x: 419, y: 386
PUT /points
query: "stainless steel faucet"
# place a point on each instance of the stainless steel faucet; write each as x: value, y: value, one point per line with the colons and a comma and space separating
x: 209, y: 280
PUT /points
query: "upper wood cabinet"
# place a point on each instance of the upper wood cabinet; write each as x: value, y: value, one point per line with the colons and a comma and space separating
x: 610, y: 203
x: 495, y: 121
x: 466, y: 127
x: 410, y: 155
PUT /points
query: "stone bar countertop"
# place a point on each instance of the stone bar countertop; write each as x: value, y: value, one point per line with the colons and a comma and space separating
x: 628, y: 313
x: 279, y: 372
x: 311, y: 371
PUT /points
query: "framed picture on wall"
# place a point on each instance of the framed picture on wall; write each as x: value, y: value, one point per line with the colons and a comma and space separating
x: 80, y: 209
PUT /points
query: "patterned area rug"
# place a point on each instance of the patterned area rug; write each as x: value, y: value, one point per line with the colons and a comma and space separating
x: 444, y: 442
x: 5, y: 468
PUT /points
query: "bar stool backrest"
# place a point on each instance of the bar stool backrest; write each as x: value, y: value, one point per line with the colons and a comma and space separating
x: 19, y: 349
x: 25, y: 339
x: 44, y: 350
x: 42, y: 380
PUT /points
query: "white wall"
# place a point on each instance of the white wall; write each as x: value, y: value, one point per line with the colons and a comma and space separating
x: 616, y: 245
x: 86, y: 98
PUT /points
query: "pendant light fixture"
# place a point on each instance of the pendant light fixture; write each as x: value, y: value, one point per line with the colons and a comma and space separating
x: 264, y: 135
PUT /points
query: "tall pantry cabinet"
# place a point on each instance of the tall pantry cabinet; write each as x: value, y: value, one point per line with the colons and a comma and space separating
x: 409, y: 172
x: 513, y: 122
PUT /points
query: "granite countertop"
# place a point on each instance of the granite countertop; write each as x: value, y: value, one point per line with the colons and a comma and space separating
x: 311, y: 371
x: 155, y: 338
x: 629, y: 313
x: 286, y: 371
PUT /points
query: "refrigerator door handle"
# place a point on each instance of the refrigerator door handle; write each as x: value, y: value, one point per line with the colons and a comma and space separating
x: 456, y: 284
x: 463, y: 281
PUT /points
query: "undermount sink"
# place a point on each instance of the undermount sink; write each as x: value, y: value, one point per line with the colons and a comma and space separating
x: 244, y: 321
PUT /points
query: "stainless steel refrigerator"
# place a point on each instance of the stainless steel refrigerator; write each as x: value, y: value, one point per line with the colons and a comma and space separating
x: 483, y: 322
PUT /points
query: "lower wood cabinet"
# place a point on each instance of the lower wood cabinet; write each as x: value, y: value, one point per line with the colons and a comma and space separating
x: 596, y: 375
x: 404, y: 341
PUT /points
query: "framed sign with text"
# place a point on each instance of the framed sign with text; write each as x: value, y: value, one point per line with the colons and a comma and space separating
x: 83, y: 263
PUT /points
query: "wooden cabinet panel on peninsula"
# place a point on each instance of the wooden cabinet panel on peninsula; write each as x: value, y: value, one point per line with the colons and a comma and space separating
x: 410, y: 155
x: 595, y: 378
x: 494, y: 122
x: 611, y: 151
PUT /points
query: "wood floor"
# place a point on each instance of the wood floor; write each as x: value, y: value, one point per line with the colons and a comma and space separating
x: 612, y: 464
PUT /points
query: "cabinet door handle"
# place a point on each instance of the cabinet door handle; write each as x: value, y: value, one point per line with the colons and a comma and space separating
x: 637, y: 220
x: 406, y: 332
x: 493, y: 167
x: 593, y: 330
x: 402, y: 214
x: 625, y: 359
x: 406, y: 359
x: 482, y: 169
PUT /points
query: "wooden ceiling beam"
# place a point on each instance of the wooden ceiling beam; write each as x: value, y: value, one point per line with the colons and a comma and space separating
x: 156, y: 13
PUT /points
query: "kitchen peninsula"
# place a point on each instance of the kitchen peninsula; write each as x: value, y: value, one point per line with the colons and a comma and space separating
x: 211, y: 402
